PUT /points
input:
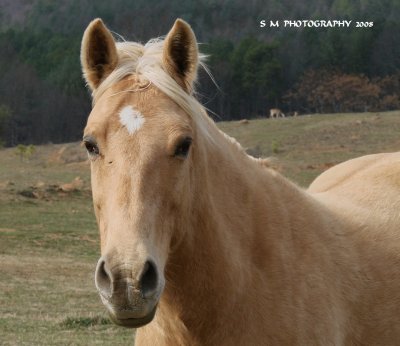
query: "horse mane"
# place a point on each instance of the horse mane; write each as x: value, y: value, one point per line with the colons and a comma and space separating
x: 145, y: 61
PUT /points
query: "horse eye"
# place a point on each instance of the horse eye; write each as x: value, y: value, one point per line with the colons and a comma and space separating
x: 91, y: 147
x: 182, y: 149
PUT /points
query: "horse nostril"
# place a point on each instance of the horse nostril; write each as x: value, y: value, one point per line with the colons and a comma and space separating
x: 103, y: 278
x: 149, y: 280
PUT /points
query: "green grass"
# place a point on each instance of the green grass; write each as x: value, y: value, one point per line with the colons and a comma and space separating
x: 84, y: 322
x: 48, y: 251
x: 305, y: 146
x: 49, y: 245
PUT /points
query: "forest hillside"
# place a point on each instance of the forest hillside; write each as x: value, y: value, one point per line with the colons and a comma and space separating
x: 296, y: 68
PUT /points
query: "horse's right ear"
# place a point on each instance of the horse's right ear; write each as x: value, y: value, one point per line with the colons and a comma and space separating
x: 98, y: 53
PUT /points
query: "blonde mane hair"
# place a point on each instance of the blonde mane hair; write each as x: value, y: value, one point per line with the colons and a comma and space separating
x: 145, y: 61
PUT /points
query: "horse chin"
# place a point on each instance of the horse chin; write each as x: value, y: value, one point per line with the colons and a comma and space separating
x: 133, y: 322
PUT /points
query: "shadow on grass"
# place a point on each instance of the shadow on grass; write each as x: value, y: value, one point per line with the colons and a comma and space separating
x: 84, y: 322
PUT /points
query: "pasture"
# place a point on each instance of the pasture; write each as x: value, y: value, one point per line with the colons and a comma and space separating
x: 49, y: 242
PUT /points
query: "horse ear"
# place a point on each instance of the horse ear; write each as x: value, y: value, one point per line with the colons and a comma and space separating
x: 180, y: 54
x: 98, y: 53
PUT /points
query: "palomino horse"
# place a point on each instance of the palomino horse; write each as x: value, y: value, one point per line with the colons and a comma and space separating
x: 202, y: 244
x: 276, y: 113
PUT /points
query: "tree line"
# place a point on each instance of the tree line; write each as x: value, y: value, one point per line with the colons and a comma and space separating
x: 43, y: 97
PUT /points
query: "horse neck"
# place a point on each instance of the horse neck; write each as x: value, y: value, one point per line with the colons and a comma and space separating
x: 240, y: 220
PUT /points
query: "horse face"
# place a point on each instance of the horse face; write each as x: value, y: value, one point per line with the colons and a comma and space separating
x: 140, y: 148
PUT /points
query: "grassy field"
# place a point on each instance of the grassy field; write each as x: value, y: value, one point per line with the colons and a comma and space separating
x: 48, y: 236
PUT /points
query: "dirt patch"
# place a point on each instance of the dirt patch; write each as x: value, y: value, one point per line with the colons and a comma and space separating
x: 324, y: 166
x: 74, y: 185
x: 56, y: 156
x: 5, y: 185
x: 7, y: 230
x: 41, y: 190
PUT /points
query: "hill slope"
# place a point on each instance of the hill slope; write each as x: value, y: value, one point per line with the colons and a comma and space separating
x: 48, y: 236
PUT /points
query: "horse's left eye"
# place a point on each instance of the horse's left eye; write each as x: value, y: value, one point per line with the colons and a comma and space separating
x: 182, y: 149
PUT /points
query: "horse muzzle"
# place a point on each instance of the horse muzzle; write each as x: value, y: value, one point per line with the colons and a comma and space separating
x: 129, y: 294
x: 132, y: 322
